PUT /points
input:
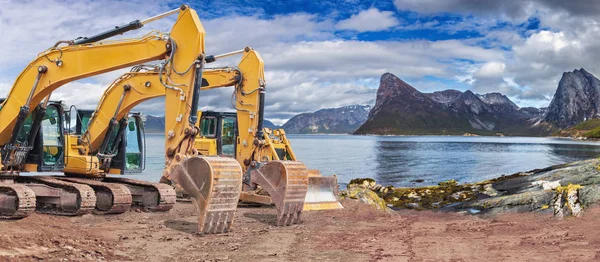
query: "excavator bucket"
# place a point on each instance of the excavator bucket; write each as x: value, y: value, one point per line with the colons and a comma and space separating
x: 322, y: 192
x: 214, y: 185
x: 286, y: 182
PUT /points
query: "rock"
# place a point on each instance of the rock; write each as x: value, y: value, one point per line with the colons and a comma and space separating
x: 368, y: 197
x: 547, y: 185
x: 566, y: 202
x: 489, y: 190
x: 362, y: 182
x: 413, y: 205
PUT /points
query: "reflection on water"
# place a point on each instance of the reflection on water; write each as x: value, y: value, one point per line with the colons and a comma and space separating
x: 400, y: 160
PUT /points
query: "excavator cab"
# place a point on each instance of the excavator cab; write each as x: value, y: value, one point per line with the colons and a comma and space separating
x: 130, y: 138
x: 47, y: 153
x: 48, y: 144
x: 220, y: 129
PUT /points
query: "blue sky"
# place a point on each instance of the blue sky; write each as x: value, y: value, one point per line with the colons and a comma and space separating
x: 322, y: 54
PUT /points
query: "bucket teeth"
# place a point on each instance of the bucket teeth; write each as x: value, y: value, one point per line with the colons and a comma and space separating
x: 291, y: 214
x: 287, y: 184
x: 214, y: 185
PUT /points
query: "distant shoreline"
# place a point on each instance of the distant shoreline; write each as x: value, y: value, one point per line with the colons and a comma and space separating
x: 348, y: 134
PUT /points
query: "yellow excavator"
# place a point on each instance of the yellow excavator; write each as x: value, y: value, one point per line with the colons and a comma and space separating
x: 181, y: 74
x: 261, y: 154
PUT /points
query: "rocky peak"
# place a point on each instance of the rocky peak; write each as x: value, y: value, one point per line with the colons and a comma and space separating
x: 445, y: 96
x: 498, y: 99
x: 577, y: 99
x: 472, y: 101
x: 391, y: 86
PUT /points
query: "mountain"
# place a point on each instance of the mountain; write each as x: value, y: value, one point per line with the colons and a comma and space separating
x: 156, y: 124
x: 269, y: 124
x: 400, y: 109
x: 576, y: 100
x: 341, y: 120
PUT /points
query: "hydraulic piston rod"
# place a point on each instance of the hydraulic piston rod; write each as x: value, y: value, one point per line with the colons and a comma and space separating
x: 133, y: 25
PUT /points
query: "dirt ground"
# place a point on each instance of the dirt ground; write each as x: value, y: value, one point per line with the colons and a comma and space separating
x: 356, y: 233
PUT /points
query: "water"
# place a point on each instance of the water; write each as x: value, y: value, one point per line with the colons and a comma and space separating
x: 399, y: 161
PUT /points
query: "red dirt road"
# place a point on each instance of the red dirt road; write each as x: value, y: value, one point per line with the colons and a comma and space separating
x: 356, y: 233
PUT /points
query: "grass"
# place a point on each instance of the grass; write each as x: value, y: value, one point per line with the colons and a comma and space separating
x: 587, y: 125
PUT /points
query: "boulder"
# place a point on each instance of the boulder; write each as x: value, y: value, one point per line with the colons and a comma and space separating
x: 366, y: 196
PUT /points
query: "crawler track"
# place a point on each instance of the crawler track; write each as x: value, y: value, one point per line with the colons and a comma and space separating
x: 57, y: 197
x: 154, y: 197
x: 111, y: 198
x: 18, y: 201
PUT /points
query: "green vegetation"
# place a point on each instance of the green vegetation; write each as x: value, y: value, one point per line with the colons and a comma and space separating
x: 589, y: 129
x: 594, y: 133
x: 587, y: 125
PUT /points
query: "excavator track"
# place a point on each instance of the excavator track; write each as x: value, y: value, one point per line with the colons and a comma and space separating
x: 153, y: 197
x: 287, y: 184
x: 16, y: 201
x: 111, y: 198
x: 57, y: 197
x: 214, y: 185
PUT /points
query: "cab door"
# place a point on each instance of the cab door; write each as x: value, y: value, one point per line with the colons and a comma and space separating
x: 48, y: 151
x: 227, y: 139
x: 135, y: 148
x: 131, y: 155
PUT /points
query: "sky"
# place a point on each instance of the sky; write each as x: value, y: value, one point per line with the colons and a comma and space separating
x: 324, y: 54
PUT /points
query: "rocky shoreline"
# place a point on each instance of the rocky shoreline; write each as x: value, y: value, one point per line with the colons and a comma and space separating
x: 562, y: 190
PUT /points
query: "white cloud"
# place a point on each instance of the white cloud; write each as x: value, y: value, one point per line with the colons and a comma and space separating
x: 490, y: 70
x: 309, y: 66
x: 369, y: 20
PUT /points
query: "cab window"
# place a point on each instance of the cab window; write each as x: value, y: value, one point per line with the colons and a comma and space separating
x: 228, y: 136
x: 53, y: 150
x: 208, y: 127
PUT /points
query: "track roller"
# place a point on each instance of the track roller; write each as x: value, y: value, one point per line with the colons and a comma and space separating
x: 111, y: 198
x: 57, y: 197
x: 214, y: 185
x: 153, y: 197
x: 16, y: 201
x: 287, y: 184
